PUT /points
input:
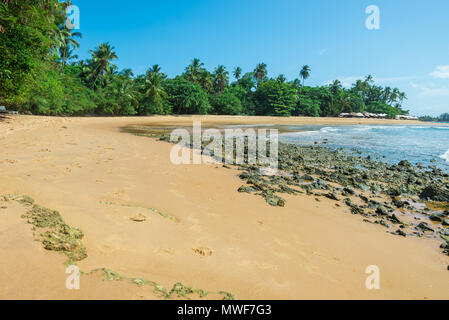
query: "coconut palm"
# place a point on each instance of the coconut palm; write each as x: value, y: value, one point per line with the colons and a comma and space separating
x: 281, y: 78
x: 221, y: 80
x: 304, y: 73
x: 194, y: 70
x: 67, y: 54
x: 369, y: 79
x: 65, y: 44
x: 401, y: 96
x: 100, y: 63
x: 127, y: 73
x: 260, y: 72
x: 65, y: 37
x: 206, y: 80
x: 155, y: 92
x: 237, y: 73
x: 336, y: 86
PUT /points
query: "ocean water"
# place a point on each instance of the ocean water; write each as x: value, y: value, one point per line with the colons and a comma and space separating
x: 428, y: 145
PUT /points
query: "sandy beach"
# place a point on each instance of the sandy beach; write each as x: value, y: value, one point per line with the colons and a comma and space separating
x: 99, y: 178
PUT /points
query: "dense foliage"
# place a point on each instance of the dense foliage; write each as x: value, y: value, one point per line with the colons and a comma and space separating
x: 41, y: 74
x: 442, y: 118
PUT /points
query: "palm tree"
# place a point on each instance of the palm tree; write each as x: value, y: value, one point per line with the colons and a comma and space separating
x: 65, y: 44
x: 369, y: 79
x: 336, y: 86
x: 66, y: 55
x: 221, y: 78
x: 281, y: 78
x: 237, y: 73
x: 100, y: 62
x: 260, y: 72
x: 401, y: 96
x: 304, y: 73
x: 126, y: 90
x: 387, y: 95
x: 127, y: 73
x: 155, y: 91
x: 297, y: 83
x: 206, y: 80
x: 194, y: 69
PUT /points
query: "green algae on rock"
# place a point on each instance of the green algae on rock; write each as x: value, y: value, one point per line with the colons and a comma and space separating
x: 179, y: 290
x: 56, y: 234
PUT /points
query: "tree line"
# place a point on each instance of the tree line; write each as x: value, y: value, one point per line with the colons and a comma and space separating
x: 40, y: 73
x: 442, y: 118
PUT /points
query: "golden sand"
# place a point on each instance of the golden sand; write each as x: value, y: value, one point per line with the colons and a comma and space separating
x: 99, y: 179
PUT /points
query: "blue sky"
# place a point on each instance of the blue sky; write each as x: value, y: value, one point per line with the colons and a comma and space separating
x: 410, y: 51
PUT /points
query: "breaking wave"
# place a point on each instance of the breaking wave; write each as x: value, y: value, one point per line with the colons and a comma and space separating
x: 445, y: 156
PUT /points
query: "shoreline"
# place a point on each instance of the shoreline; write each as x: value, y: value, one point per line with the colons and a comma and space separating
x: 306, y: 250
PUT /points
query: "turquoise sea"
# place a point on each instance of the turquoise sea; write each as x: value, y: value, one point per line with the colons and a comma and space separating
x: 428, y: 145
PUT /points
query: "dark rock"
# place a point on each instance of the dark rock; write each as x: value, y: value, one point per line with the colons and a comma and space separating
x: 399, y: 232
x: 382, y: 211
x: 246, y: 189
x: 424, y: 227
x: 394, y: 192
x: 383, y: 223
x: 332, y: 196
x: 363, y: 187
x: 244, y: 175
x: 307, y: 177
x: 436, y: 217
x: 394, y: 219
x: 404, y: 163
x: 435, y: 193
x: 398, y: 203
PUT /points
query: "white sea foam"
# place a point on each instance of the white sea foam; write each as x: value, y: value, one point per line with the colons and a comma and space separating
x: 299, y: 133
x: 445, y: 156
x: 329, y: 129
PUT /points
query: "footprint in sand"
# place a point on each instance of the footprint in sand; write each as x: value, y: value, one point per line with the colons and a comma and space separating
x: 139, y: 218
x: 106, y: 250
x: 162, y: 251
x: 9, y: 161
x: 203, y: 251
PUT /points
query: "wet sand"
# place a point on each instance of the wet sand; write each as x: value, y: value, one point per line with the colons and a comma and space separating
x: 98, y: 178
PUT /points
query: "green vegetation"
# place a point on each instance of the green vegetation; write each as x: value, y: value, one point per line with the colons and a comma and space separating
x: 178, y: 290
x: 442, y: 118
x: 40, y: 74
x: 164, y: 215
x: 56, y: 234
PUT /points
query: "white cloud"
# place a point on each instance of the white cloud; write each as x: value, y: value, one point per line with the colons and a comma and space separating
x: 430, y: 90
x: 441, y: 72
x: 322, y: 51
